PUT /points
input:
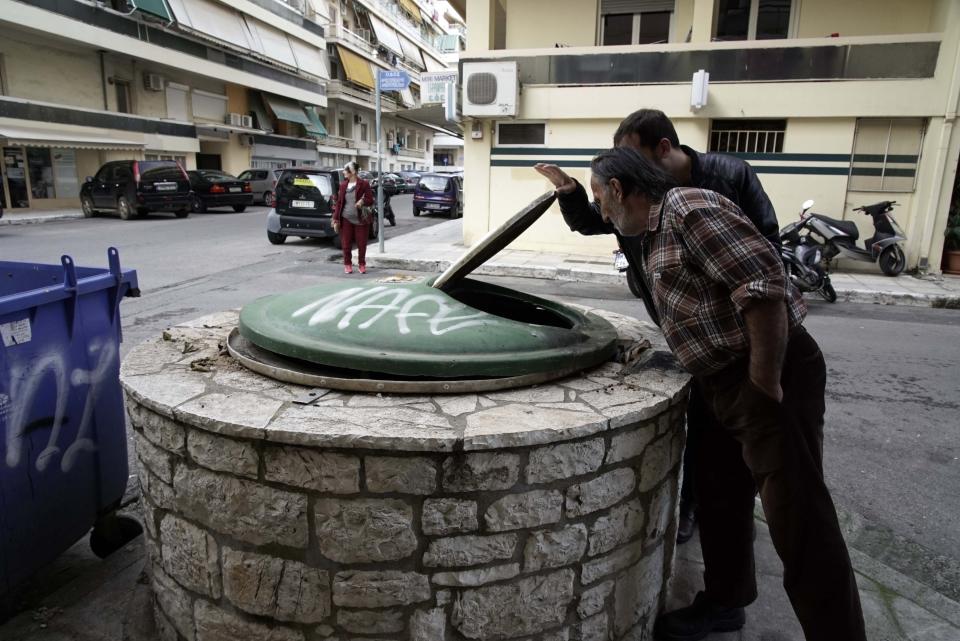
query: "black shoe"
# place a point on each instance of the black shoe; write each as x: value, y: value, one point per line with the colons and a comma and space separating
x: 687, y: 524
x: 697, y: 620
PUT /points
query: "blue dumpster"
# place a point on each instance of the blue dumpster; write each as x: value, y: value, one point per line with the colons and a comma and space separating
x: 63, y: 448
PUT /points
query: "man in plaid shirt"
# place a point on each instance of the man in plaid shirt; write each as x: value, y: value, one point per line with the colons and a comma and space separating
x: 733, y: 320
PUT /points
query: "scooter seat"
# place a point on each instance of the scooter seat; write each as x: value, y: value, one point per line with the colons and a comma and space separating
x: 848, y: 227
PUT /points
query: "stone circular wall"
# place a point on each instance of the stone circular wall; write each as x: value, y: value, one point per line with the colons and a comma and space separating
x: 544, y: 513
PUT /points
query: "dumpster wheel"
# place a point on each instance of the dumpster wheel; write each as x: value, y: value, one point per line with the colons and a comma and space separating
x: 112, y: 532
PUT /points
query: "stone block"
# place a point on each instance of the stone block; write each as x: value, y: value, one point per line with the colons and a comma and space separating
x: 557, y: 635
x: 527, y: 606
x: 155, y: 459
x: 273, y: 587
x: 160, y: 430
x: 530, y: 509
x: 621, y: 524
x: 637, y: 592
x: 223, y: 454
x: 312, y: 470
x: 175, y: 602
x: 162, y: 494
x: 364, y: 530
x: 481, y: 471
x: 469, y: 550
x: 631, y: 444
x: 593, y: 600
x: 564, y: 461
x: 663, y: 507
x: 554, y: 548
x: 239, y: 414
x: 164, y: 627
x: 657, y: 460
x: 371, y: 621
x: 214, y: 624
x: 428, y: 625
x: 448, y: 516
x: 417, y: 475
x: 246, y: 510
x: 379, y: 589
x: 592, y: 629
x: 601, y: 492
x: 190, y: 556
x: 479, y: 576
x: 614, y: 562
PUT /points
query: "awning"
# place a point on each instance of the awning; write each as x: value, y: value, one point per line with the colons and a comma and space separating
x: 153, y: 7
x: 256, y: 106
x: 309, y: 58
x: 357, y: 68
x: 386, y: 35
x: 282, y: 152
x: 214, y: 20
x: 406, y: 97
x: 95, y: 139
x: 411, y: 7
x: 315, y: 119
x: 433, y: 64
x: 292, y: 112
x: 411, y: 51
x: 270, y: 42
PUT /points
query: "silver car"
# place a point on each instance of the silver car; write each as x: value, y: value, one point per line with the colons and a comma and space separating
x: 263, y: 183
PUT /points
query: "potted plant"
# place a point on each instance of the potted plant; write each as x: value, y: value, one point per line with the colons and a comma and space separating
x: 951, y: 247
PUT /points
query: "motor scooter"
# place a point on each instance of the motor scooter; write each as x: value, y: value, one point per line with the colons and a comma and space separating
x: 839, y: 237
x: 803, y: 259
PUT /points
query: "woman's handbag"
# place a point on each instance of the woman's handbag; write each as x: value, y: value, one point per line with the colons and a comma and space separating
x: 366, y: 213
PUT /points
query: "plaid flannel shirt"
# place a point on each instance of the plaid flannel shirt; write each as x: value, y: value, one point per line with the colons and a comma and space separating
x: 704, y: 262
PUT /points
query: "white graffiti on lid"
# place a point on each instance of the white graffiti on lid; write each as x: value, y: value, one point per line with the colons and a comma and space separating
x: 27, y: 380
x: 396, y: 304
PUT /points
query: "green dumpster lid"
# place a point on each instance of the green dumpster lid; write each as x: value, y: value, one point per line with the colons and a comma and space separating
x: 397, y: 327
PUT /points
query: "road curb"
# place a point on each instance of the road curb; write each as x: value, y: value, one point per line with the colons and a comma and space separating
x: 564, y: 273
x: 36, y: 220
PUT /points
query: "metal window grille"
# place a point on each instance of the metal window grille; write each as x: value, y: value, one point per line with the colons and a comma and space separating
x: 750, y: 137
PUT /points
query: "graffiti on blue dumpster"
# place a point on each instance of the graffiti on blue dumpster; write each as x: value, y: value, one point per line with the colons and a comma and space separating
x: 54, y: 370
x: 395, y: 304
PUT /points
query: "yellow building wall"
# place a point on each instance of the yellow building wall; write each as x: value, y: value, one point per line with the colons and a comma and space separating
x: 864, y: 17
x: 534, y: 23
x: 682, y: 20
x: 50, y: 74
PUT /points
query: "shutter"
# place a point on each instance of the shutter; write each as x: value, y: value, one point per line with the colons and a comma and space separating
x: 635, y: 6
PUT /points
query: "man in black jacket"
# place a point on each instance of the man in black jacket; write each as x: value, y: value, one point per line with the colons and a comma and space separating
x: 651, y: 132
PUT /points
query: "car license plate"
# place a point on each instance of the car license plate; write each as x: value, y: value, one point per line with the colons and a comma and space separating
x: 165, y: 186
x: 620, y: 261
x: 303, y: 204
x: 234, y: 190
x: 433, y: 206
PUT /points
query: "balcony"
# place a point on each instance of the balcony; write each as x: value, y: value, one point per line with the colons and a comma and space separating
x: 340, y: 89
x: 351, y: 38
x: 400, y: 20
x: 336, y: 141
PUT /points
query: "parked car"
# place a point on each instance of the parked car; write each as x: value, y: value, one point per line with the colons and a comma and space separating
x: 391, y: 183
x: 410, y: 181
x: 263, y: 182
x: 137, y: 187
x: 304, y: 205
x: 439, y: 193
x: 213, y: 188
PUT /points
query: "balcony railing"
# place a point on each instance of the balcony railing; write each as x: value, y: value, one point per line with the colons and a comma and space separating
x: 339, y: 88
x: 336, y: 141
x: 339, y: 32
x: 401, y: 20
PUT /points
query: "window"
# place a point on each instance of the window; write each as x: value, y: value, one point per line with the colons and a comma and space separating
x: 886, y: 153
x: 341, y: 127
x: 630, y: 22
x: 521, y: 133
x: 753, y: 19
x: 40, y: 166
x: 428, y: 145
x: 363, y: 132
x: 747, y: 136
x: 618, y: 29
x: 208, y: 106
x: 122, y: 87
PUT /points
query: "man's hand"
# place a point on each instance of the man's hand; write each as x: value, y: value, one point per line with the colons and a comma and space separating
x: 561, y: 181
x: 766, y: 323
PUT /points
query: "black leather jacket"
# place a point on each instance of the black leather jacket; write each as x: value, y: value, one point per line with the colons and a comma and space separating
x: 726, y: 175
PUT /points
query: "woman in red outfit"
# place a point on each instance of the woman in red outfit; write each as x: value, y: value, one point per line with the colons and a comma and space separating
x: 348, y: 219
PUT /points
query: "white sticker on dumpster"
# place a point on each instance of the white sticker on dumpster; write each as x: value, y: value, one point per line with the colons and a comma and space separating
x: 16, y: 333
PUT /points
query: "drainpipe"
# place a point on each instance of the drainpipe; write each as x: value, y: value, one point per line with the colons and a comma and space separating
x: 103, y: 78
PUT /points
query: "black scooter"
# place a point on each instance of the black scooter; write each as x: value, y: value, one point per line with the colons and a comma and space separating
x: 388, y: 214
x: 803, y: 259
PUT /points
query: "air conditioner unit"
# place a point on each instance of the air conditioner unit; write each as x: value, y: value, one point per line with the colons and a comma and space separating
x: 246, y: 141
x: 246, y: 121
x: 490, y: 88
x: 152, y: 82
x: 234, y: 119
x: 357, y: 119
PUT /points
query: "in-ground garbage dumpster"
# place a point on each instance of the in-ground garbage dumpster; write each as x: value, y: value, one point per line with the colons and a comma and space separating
x: 63, y: 450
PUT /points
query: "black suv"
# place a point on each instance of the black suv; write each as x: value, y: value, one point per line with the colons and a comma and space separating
x: 138, y: 187
x: 303, y: 205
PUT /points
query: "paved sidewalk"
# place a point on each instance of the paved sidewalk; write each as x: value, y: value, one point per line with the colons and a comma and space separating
x: 434, y: 248
x: 16, y: 217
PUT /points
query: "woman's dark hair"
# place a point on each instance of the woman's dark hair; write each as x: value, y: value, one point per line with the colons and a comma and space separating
x: 352, y: 166
x: 650, y: 125
x: 637, y: 174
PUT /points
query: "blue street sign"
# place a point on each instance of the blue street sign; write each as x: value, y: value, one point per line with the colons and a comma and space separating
x: 393, y: 80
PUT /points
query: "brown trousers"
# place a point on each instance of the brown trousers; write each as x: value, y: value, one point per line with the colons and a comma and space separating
x: 752, y: 443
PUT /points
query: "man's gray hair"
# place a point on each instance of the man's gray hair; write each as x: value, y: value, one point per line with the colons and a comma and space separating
x: 637, y: 174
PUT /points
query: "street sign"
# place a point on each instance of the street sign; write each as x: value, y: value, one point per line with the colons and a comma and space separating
x: 433, y: 86
x: 393, y: 80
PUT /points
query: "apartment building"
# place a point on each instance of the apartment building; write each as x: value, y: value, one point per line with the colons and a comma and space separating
x: 366, y: 36
x: 847, y: 103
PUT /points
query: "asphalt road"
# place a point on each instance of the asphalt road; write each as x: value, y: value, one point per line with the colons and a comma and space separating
x: 892, y: 438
